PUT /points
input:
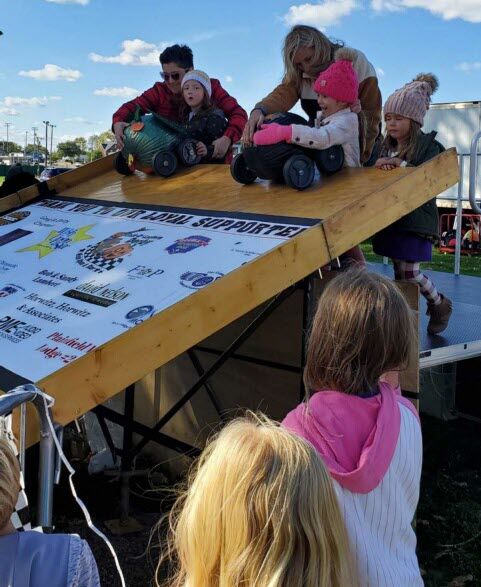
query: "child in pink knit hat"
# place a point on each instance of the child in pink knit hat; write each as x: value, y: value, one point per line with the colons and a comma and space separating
x: 409, y: 240
x: 337, y: 96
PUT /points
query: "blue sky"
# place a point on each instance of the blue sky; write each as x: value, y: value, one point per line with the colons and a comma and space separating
x: 73, y: 62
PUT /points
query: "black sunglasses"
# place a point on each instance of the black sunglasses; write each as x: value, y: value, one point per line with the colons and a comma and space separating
x: 173, y: 76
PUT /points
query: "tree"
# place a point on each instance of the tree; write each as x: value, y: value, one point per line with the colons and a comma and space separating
x: 69, y: 149
x: 82, y: 143
x: 11, y: 147
x: 95, y: 143
x: 31, y: 148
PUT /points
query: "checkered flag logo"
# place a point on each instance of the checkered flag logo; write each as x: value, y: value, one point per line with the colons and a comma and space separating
x: 88, y: 258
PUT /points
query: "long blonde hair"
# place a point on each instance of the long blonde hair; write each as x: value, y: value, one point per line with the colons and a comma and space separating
x: 363, y: 328
x: 9, y: 481
x: 306, y: 36
x: 260, y: 511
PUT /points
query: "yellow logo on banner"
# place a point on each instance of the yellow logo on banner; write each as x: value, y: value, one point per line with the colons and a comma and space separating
x: 59, y: 239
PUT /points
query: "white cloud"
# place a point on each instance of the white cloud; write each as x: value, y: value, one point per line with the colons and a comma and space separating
x: 51, y: 72
x: 468, y: 67
x: 81, y: 2
x: 322, y: 14
x: 124, y: 92
x: 380, y: 72
x: 36, y: 101
x: 134, y: 52
x: 469, y: 10
x: 9, y: 111
x: 79, y: 120
x: 229, y: 79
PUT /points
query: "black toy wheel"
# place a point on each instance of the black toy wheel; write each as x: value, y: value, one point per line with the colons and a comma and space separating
x: 164, y: 163
x: 187, y: 153
x: 121, y: 166
x: 240, y: 172
x: 330, y: 160
x: 298, y: 172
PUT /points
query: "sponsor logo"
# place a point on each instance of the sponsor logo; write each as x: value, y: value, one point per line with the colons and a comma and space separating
x: 49, y: 222
x: 97, y: 293
x: 13, y: 217
x: 59, y: 239
x: 141, y: 272
x: 15, y: 330
x: 53, y: 352
x: 195, y: 280
x: 136, y: 316
x: 13, y: 236
x: 5, y: 266
x: 9, y: 289
x: 71, y: 341
x: 61, y: 306
x: 53, y: 278
x: 189, y: 243
x: 109, y: 252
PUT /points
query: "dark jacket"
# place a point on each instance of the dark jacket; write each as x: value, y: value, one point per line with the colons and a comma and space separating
x: 207, y: 126
x: 423, y: 221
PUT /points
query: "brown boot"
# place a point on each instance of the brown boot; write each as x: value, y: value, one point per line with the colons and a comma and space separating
x: 439, y: 315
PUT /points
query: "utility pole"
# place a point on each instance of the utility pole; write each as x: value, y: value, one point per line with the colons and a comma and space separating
x: 52, y: 126
x: 26, y: 143
x: 7, y: 124
x: 34, y: 128
x: 46, y: 123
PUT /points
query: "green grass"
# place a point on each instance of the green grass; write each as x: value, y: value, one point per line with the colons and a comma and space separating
x: 440, y: 261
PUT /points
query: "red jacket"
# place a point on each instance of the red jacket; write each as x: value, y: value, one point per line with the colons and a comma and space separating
x: 161, y: 100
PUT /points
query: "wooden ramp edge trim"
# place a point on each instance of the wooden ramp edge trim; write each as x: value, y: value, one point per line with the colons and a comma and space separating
x: 353, y: 224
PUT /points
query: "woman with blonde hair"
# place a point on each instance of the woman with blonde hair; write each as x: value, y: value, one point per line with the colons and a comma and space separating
x: 259, y: 511
x: 307, y: 52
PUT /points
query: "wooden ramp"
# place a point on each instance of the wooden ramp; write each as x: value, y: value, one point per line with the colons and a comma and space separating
x: 350, y: 207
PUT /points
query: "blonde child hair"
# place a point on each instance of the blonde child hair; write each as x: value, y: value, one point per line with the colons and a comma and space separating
x: 362, y: 329
x: 260, y: 511
x: 9, y: 482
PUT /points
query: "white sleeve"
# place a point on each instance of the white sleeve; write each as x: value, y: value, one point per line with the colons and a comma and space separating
x: 339, y: 131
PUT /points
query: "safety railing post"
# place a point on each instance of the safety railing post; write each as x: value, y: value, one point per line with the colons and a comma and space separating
x: 459, y: 217
x: 473, y: 165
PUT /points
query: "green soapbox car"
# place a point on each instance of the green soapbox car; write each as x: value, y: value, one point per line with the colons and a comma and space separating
x: 153, y: 144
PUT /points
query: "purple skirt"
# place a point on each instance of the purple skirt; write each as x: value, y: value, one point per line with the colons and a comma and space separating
x: 405, y: 246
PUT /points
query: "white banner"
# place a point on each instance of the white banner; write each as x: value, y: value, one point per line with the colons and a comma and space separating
x: 76, y: 273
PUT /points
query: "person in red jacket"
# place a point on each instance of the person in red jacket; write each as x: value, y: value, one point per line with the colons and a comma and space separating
x: 165, y: 98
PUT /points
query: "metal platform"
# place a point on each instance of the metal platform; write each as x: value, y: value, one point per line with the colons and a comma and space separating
x: 462, y: 339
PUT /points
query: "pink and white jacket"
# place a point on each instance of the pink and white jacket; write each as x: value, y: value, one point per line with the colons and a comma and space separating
x: 372, y: 448
x: 341, y: 128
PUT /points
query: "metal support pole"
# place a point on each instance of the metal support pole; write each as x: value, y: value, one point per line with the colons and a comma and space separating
x: 46, y: 472
x: 126, y: 462
x: 459, y: 217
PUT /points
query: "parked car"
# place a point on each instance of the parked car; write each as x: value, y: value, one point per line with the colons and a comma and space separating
x: 50, y: 172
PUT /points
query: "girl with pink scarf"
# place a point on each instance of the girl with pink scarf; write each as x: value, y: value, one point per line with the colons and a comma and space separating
x: 367, y: 434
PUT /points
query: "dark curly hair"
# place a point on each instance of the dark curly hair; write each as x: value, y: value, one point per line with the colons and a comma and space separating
x: 179, y: 54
